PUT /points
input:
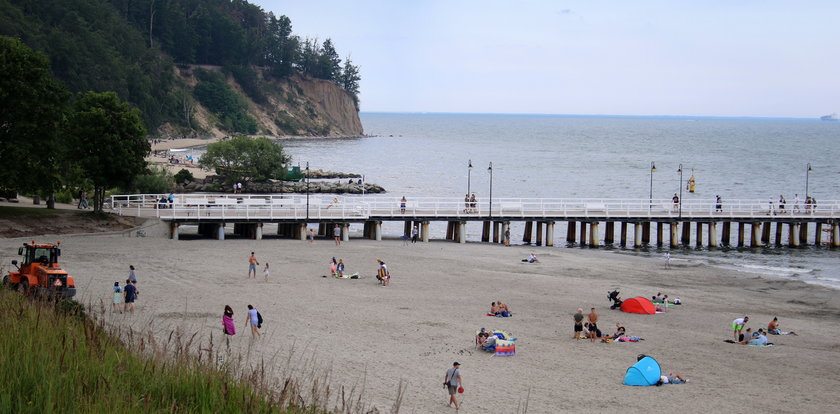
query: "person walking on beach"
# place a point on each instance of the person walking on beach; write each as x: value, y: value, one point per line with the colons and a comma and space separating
x: 452, y: 381
x: 578, y: 318
x: 253, y: 320
x: 130, y: 292
x: 738, y: 325
x: 117, y: 297
x: 227, y: 321
x: 414, y: 233
x: 337, y: 235
x: 252, y: 265
x: 311, y: 236
x: 507, y: 236
x: 132, y: 274
x: 402, y: 205
x: 667, y: 260
x: 265, y: 272
x: 593, y: 322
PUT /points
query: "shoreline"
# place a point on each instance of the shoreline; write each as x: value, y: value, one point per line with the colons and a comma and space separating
x: 414, y: 329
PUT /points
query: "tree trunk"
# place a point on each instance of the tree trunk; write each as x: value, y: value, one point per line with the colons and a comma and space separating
x: 151, y: 22
x: 51, y: 201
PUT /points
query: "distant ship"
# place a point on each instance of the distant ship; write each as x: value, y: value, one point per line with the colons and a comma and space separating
x: 831, y: 117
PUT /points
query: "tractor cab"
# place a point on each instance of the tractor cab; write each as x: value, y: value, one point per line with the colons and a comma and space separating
x: 39, y: 271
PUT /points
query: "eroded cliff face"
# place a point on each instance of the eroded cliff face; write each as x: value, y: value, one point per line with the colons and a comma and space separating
x: 297, y: 106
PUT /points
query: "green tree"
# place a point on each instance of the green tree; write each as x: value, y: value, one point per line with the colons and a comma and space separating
x: 107, y: 142
x: 246, y: 159
x: 349, y: 80
x: 33, y: 107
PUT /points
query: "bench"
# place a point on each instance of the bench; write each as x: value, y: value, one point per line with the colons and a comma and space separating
x: 595, y: 206
x: 511, y: 206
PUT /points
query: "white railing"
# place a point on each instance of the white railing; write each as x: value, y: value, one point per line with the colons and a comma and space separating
x: 317, y: 207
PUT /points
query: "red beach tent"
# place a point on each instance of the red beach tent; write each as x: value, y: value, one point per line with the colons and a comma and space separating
x: 638, y: 305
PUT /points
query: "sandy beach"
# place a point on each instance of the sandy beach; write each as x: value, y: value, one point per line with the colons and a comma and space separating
x: 413, y: 330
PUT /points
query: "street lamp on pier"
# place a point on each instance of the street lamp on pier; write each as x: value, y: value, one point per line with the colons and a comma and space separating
x: 807, y: 174
x: 490, y: 170
x: 307, y: 191
x: 652, y: 170
x: 469, y: 170
x: 681, y: 200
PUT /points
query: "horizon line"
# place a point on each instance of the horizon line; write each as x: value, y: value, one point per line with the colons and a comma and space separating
x: 789, y: 118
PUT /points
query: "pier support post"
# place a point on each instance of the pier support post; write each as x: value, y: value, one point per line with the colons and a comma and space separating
x: 526, y: 234
x: 713, y: 240
x: 583, y: 233
x: 765, y: 233
x: 258, y: 231
x: 675, y: 231
x: 699, y: 241
x: 646, y: 232
x: 637, y: 235
x: 741, y: 226
x: 425, y: 232
x: 660, y: 232
x: 462, y: 232
x: 302, y: 231
x: 485, y: 231
x: 725, y: 238
x: 794, y: 234
x: 803, y: 234
x: 539, y: 233
x: 173, y: 230
x: 570, y: 231
x: 594, y: 235
x: 407, y: 228
x: 220, y: 231
x: 835, y: 235
x: 686, y: 233
x: 779, y: 226
x: 623, y: 235
x: 609, y: 235
x: 377, y: 232
x: 818, y: 234
x: 496, y: 226
x: 549, y: 233
x: 755, y: 235
x: 345, y: 232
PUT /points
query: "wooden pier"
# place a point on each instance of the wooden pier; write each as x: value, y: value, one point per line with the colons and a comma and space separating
x: 625, y: 222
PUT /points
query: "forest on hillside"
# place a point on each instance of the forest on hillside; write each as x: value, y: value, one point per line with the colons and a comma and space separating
x: 131, y: 46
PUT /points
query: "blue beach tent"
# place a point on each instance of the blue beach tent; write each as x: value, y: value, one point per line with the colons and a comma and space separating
x: 644, y: 373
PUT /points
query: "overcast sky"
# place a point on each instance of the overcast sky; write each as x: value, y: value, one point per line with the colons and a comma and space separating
x: 705, y: 58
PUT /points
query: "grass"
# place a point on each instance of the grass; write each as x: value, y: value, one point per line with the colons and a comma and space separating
x: 62, y: 359
x: 9, y: 212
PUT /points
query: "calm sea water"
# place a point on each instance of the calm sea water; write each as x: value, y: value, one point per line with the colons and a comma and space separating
x: 417, y: 155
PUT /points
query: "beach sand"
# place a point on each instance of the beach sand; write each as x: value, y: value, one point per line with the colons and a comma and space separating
x: 414, y: 329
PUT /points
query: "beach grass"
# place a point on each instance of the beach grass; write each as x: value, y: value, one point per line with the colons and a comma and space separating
x: 58, y: 359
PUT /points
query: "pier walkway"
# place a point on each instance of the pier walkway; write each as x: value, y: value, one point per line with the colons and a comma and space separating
x: 292, y: 213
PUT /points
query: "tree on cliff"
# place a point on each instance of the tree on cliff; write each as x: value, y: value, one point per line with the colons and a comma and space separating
x: 107, y: 142
x: 349, y: 80
x: 33, y: 106
x: 246, y: 159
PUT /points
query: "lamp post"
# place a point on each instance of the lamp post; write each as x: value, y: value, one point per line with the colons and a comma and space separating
x: 490, y: 170
x: 469, y: 170
x: 681, y: 200
x: 807, y: 174
x: 652, y: 170
x: 307, y: 191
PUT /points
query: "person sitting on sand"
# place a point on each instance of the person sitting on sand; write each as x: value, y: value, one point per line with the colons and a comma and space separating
x: 481, y: 337
x: 504, y: 311
x: 619, y: 332
x: 532, y: 258
x: 677, y: 301
x: 672, y: 378
x: 758, y: 339
x: 773, y: 328
x: 489, y: 343
x: 494, y: 309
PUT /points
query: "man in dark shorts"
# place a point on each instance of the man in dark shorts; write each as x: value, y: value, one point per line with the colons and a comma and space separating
x: 452, y: 381
x: 578, y: 324
x: 130, y: 295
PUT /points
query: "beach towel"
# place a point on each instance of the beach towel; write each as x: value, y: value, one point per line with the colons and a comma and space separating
x: 228, y: 326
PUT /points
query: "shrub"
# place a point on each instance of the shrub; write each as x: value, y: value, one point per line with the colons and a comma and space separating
x: 183, y: 176
x: 158, y: 180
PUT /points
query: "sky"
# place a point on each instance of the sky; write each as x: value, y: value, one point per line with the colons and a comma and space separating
x: 672, y: 57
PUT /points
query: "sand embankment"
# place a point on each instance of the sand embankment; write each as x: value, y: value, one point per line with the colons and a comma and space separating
x: 414, y: 329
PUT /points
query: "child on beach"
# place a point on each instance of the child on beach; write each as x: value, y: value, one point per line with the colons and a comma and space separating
x: 265, y: 272
x: 382, y: 273
x: 117, y: 297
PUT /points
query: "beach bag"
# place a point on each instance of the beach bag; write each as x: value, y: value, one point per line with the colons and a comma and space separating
x: 259, y: 320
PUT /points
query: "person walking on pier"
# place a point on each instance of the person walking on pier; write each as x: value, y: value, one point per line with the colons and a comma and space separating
x: 781, y: 204
x: 796, y: 203
x: 402, y: 205
x: 770, y: 211
x: 718, y: 204
x: 252, y: 265
x: 473, y: 204
x: 467, y: 203
x: 676, y: 202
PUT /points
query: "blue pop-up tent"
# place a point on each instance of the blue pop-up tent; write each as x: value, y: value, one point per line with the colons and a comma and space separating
x: 645, y: 372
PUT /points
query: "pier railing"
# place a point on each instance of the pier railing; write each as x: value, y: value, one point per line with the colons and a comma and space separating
x: 320, y: 207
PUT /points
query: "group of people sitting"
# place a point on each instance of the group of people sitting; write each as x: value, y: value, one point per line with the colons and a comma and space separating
x: 499, y: 309
x: 661, y: 302
x: 757, y: 338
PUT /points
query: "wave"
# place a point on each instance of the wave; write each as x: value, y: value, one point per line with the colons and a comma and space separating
x: 774, y: 269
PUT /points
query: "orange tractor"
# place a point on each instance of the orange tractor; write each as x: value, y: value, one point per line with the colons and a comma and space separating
x: 40, y: 273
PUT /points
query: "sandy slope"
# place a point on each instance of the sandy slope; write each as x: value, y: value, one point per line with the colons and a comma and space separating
x: 414, y: 329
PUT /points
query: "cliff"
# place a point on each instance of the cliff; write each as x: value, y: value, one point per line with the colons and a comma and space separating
x: 296, y: 106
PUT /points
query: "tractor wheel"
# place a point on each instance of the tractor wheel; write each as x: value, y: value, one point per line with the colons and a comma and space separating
x: 24, y: 286
x: 6, y: 280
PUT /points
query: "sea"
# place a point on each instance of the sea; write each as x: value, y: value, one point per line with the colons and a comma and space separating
x: 572, y: 156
